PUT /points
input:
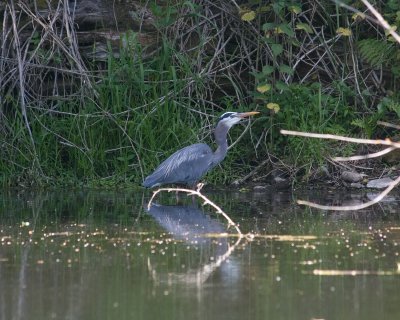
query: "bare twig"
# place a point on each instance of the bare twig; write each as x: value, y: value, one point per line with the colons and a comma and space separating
x: 393, y: 146
x: 382, y: 21
x: 378, y: 17
x: 389, y: 125
x: 386, y: 142
x: 366, y: 156
x: 21, y: 81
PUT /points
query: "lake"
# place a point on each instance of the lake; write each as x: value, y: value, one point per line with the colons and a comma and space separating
x: 93, y: 254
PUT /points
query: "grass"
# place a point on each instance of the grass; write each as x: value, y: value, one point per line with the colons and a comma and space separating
x: 69, y: 120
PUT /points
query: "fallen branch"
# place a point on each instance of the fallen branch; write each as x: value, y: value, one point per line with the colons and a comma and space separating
x: 392, y: 145
x: 389, y: 125
x: 390, y: 187
x: 386, y: 142
x: 204, y: 198
x: 365, y: 156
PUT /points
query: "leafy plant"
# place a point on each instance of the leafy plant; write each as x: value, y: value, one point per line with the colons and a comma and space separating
x: 307, y: 109
x: 378, y: 52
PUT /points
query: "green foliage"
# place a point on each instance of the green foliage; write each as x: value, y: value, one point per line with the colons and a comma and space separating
x: 294, y: 61
x: 137, y: 120
x: 388, y: 109
x: 378, y: 52
x: 306, y: 108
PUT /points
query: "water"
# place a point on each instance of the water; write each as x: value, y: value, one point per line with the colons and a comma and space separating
x: 102, y: 255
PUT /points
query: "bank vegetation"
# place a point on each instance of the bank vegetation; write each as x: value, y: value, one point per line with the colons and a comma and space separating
x: 97, y: 95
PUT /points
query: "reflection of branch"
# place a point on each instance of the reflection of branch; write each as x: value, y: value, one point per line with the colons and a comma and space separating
x: 356, y: 207
x: 393, y: 146
x: 204, y: 198
x: 201, y: 275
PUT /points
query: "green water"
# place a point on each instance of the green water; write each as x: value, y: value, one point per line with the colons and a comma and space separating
x: 100, y: 255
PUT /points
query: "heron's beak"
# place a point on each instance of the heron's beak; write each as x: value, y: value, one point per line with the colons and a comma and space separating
x: 247, y: 114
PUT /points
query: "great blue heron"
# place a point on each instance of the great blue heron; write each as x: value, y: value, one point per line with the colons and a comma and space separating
x: 189, y: 164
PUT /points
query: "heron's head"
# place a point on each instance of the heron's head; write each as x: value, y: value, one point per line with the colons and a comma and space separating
x: 231, y: 118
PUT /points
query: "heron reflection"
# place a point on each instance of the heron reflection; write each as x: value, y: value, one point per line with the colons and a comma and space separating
x: 194, y: 227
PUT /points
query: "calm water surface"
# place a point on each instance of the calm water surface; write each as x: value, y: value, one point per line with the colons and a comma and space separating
x: 102, y: 255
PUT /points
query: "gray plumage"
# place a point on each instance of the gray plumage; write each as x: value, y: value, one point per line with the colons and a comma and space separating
x: 189, y: 164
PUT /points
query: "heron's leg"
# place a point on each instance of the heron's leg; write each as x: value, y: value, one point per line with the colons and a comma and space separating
x: 199, y: 186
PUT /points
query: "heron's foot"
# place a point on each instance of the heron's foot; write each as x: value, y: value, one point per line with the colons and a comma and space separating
x: 199, y: 186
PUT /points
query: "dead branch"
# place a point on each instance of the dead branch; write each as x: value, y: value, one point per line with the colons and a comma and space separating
x: 204, y: 198
x: 366, y: 156
x: 386, y: 142
x: 393, y: 146
x: 387, y: 124
x: 382, y: 21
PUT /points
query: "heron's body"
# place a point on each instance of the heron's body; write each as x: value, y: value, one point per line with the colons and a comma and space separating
x: 181, y: 166
x: 189, y: 164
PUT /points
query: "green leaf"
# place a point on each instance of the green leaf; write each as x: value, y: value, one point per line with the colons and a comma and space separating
x: 358, y: 16
x: 358, y: 123
x: 305, y: 27
x: 286, y: 69
x: 257, y: 75
x: 126, y: 158
x: 268, y: 26
x: 296, y: 9
x: 262, y: 88
x: 346, y: 32
x: 281, y: 85
x: 274, y: 107
x: 286, y: 28
x: 278, y: 6
x: 248, y: 16
x: 392, y: 28
x: 267, y: 70
x: 277, y: 49
x: 259, y: 96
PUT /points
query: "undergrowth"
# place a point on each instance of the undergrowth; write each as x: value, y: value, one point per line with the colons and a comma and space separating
x: 305, y: 65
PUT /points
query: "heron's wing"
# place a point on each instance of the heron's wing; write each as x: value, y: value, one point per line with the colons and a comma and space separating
x: 195, y: 154
x: 186, y: 165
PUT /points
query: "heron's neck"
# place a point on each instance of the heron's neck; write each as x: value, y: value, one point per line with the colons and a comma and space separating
x: 220, y: 134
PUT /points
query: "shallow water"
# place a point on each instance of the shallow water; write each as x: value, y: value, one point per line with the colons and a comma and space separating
x: 102, y: 255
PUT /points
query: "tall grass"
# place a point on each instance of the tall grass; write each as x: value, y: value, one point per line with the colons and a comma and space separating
x: 138, y: 118
x: 68, y: 119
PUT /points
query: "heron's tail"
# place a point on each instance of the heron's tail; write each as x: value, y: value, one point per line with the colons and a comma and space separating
x: 151, y: 181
